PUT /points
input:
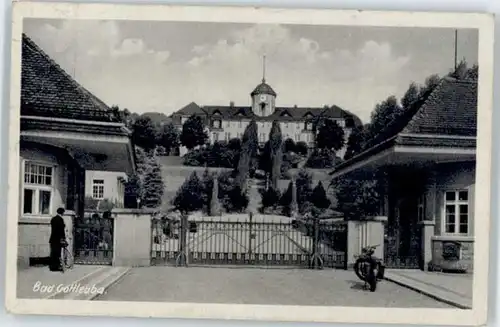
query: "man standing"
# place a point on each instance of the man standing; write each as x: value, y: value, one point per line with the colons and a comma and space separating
x: 57, y: 238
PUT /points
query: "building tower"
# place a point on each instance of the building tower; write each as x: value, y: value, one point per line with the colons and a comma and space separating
x: 263, y: 96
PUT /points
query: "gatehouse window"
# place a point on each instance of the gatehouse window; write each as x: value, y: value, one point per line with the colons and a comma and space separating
x: 38, y: 187
x: 98, y: 189
x: 457, y: 212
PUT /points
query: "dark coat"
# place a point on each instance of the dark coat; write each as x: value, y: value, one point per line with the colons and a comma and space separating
x: 57, y: 230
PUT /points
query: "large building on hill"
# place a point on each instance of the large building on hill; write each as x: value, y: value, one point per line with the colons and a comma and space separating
x: 225, y: 122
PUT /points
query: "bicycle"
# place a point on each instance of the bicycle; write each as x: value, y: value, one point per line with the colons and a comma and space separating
x: 67, y: 260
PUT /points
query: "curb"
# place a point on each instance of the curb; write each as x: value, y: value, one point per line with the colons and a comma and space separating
x: 83, y: 279
x: 112, y: 281
x: 101, y: 278
x: 429, y: 294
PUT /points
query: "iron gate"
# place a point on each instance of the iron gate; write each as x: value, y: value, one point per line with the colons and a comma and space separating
x: 263, y: 242
x: 93, y: 239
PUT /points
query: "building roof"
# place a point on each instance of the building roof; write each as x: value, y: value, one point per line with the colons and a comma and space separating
x: 190, y: 109
x: 451, y: 109
x: 263, y: 88
x: 48, y: 91
x: 295, y: 113
x: 448, y: 114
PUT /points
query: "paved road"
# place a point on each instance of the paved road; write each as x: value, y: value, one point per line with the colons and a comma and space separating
x: 260, y: 286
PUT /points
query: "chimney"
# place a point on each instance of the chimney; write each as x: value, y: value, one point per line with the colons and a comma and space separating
x: 231, y: 104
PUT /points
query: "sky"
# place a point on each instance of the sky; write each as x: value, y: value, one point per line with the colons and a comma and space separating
x: 153, y: 66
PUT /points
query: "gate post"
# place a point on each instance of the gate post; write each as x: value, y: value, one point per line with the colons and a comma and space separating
x: 250, y: 222
x: 182, y: 256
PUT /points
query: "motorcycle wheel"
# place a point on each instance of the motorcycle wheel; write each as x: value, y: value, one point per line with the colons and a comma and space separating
x: 357, y: 269
x: 381, y: 271
x: 372, y: 280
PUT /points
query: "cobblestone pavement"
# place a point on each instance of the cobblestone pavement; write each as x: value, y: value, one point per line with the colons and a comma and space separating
x: 260, y: 286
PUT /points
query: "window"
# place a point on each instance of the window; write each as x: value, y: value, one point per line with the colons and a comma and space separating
x: 215, y: 137
x: 98, y: 189
x: 298, y: 125
x: 297, y: 137
x: 308, y: 126
x: 37, y: 188
x: 239, y: 124
x: 456, y: 220
x: 228, y: 136
x: 286, y: 125
x: 216, y: 124
x: 421, y: 208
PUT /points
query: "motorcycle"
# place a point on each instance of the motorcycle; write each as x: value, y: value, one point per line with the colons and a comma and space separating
x: 368, y: 267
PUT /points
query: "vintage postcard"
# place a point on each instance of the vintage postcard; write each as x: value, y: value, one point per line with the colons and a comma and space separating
x: 249, y: 163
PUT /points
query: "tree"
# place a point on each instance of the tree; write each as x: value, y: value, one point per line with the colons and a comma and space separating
x: 304, y: 189
x: 411, y: 96
x: 464, y: 72
x: 234, y: 144
x: 265, y: 158
x: 248, y: 154
x: 383, y: 114
x: 330, y: 135
x: 190, y: 196
x: 322, y: 158
x: 144, y: 133
x: 276, y: 147
x: 318, y: 197
x: 289, y: 145
x: 355, y: 142
x: 132, y: 191
x: 168, y: 137
x: 193, y: 132
x: 153, y: 185
x: 146, y: 184
x: 301, y: 148
x: 358, y: 196
x: 289, y: 199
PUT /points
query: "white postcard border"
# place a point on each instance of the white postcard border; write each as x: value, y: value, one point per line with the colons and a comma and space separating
x: 483, y: 22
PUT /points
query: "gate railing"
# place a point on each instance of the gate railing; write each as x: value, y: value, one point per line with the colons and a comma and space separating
x: 93, y: 239
x: 250, y: 241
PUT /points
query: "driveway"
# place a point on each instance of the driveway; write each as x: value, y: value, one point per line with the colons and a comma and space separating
x: 269, y: 286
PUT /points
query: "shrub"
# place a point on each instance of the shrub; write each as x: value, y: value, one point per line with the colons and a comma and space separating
x: 301, y: 148
x: 304, y: 189
x: 358, y: 196
x: 190, y: 196
x: 230, y: 195
x: 318, y: 197
x: 322, y: 158
x: 270, y: 197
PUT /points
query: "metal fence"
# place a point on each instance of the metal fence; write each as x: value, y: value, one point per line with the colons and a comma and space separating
x: 222, y: 241
x: 93, y: 240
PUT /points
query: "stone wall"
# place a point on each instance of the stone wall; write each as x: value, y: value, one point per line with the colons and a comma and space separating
x: 465, y: 255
